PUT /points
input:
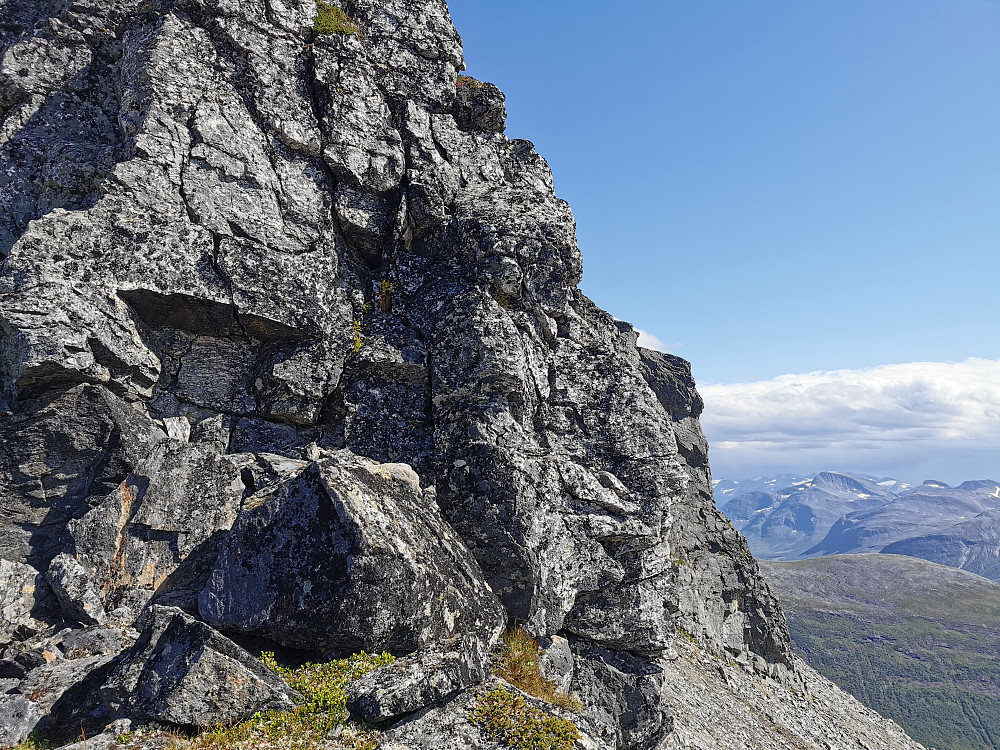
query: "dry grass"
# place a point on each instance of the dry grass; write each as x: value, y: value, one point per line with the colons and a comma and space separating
x: 519, y: 665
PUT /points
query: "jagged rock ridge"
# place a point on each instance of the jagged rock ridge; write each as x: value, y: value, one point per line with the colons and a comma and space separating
x: 268, y: 295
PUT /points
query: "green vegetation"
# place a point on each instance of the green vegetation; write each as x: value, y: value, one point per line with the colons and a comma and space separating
x: 34, y: 742
x: 518, y: 664
x: 509, y: 719
x: 332, y: 20
x: 322, y: 687
x: 688, y: 637
x: 358, y: 335
x: 913, y: 640
x: 468, y: 82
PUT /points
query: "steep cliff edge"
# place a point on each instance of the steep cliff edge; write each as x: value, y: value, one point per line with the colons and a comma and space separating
x: 291, y: 350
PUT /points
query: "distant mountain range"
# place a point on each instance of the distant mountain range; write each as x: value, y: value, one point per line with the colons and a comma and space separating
x: 790, y: 517
x: 913, y: 640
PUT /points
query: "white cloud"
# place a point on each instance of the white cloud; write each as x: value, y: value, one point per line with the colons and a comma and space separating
x: 915, y: 421
x: 649, y: 341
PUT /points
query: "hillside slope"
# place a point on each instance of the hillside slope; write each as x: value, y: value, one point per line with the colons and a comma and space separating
x: 914, y: 640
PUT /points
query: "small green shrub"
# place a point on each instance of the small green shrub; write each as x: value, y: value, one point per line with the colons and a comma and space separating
x: 33, y: 742
x: 509, y: 719
x: 519, y: 665
x: 332, y: 20
x: 323, y: 690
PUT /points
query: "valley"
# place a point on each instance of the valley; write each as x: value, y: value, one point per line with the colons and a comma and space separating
x: 914, y: 640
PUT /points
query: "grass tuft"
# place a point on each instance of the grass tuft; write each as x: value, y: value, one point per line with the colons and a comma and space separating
x: 33, y: 742
x: 468, y: 82
x: 519, y: 665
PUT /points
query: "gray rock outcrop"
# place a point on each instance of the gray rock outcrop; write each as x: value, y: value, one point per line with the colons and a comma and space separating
x: 291, y: 347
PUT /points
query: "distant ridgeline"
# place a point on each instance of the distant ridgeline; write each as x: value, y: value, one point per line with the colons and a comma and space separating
x: 790, y: 517
x: 914, y: 640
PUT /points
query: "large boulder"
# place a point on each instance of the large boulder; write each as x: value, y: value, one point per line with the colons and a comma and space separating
x: 55, y: 698
x: 348, y: 555
x: 75, y: 590
x: 156, y: 533
x: 181, y: 671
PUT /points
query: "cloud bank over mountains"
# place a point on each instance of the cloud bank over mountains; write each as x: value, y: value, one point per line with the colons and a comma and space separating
x: 914, y: 421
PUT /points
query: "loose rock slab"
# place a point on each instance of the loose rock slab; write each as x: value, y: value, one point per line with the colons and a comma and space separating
x: 181, y: 671
x: 349, y: 555
x: 419, y: 680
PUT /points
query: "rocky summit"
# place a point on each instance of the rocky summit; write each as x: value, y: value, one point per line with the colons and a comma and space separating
x: 293, y: 361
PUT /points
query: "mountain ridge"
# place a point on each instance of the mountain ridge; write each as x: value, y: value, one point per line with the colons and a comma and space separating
x: 841, y: 513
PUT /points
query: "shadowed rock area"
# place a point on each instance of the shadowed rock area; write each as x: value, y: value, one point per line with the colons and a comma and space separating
x: 292, y: 358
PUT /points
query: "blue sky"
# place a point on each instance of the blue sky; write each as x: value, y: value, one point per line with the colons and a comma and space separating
x: 775, y: 187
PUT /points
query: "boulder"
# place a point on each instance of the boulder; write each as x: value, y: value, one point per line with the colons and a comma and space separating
x: 479, y: 106
x: 58, y: 697
x: 75, y: 590
x: 156, y: 534
x: 18, y: 717
x: 348, y: 555
x: 422, y: 679
x: 181, y: 671
x: 18, y: 586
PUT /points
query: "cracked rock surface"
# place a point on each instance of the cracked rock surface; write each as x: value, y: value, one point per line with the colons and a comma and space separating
x: 292, y: 355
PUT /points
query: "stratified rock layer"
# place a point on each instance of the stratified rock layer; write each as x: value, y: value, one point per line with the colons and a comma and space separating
x: 288, y: 326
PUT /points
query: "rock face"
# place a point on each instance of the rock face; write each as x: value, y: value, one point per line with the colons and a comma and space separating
x: 290, y: 340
